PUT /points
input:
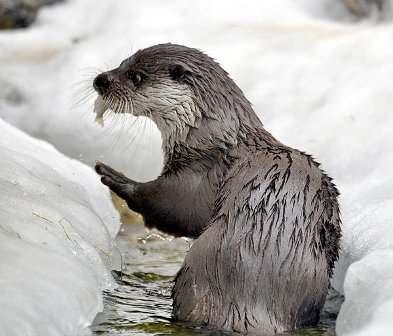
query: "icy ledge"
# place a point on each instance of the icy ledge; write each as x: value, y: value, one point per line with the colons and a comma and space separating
x: 368, y: 306
x: 56, y: 230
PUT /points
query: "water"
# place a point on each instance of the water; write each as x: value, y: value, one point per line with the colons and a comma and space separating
x: 141, y: 304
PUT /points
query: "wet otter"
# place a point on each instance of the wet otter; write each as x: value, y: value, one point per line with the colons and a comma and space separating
x: 266, y: 218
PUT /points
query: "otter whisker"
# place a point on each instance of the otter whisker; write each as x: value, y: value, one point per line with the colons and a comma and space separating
x: 136, y: 133
x: 95, y: 70
x: 127, y: 106
x: 131, y: 106
x: 118, y: 128
x: 122, y: 105
x: 86, y: 97
x: 150, y: 144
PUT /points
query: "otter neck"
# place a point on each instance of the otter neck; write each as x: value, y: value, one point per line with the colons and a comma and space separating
x: 210, y: 141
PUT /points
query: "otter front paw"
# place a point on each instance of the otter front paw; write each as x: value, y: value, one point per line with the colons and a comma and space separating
x: 116, y: 181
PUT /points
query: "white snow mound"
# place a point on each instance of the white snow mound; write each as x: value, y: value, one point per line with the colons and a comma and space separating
x: 368, y: 307
x: 56, y: 230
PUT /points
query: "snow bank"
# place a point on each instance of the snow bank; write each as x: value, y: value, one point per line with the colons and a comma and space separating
x: 368, y: 307
x: 56, y: 230
x: 318, y: 84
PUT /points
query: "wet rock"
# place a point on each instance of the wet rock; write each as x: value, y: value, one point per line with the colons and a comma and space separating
x: 369, y: 8
x: 128, y: 217
x: 20, y: 13
x: 10, y: 94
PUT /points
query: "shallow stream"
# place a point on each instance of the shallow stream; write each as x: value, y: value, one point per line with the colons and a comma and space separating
x: 141, y: 304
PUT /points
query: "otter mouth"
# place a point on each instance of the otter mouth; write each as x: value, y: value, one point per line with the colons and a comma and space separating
x: 112, y: 96
x: 112, y: 103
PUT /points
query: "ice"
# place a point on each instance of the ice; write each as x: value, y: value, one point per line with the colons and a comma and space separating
x: 319, y: 81
x: 368, y: 307
x: 56, y: 239
x: 99, y: 110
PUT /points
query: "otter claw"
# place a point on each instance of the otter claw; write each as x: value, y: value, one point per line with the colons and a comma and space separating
x: 121, y: 189
x: 110, y: 174
x: 101, y: 168
x: 109, y: 182
x: 114, y: 180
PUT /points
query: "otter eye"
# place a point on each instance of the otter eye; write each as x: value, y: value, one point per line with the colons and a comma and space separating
x: 178, y: 72
x: 136, y: 77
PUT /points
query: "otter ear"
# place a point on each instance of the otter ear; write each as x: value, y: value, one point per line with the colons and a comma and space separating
x: 179, y: 71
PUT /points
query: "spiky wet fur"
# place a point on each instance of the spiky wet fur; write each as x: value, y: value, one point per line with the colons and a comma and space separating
x: 265, y: 216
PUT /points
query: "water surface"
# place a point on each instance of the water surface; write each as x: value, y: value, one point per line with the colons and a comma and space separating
x: 141, y: 304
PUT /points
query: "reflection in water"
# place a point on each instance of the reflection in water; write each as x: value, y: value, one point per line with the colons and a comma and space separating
x: 142, y: 304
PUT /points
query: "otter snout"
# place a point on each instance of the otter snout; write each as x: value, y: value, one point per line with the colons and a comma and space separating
x: 101, y: 83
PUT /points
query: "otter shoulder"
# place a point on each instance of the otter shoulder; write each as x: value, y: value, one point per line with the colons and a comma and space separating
x: 278, y: 184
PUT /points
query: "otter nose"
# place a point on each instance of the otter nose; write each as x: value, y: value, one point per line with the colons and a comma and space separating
x: 101, y: 83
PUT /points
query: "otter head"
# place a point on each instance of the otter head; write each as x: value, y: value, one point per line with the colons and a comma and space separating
x: 186, y: 93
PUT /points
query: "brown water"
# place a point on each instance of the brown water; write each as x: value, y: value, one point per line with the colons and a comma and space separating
x: 141, y: 304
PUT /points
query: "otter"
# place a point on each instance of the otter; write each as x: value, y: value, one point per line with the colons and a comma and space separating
x: 265, y: 216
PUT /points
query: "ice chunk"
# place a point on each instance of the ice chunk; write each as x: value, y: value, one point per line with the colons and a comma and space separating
x: 368, y: 306
x: 99, y: 110
x: 56, y: 229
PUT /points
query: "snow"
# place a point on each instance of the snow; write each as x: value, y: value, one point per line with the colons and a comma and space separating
x: 368, y: 307
x: 319, y: 81
x: 56, y: 239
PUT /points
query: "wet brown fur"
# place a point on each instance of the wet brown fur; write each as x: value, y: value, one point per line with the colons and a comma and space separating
x: 265, y: 216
